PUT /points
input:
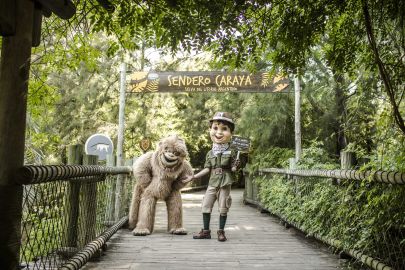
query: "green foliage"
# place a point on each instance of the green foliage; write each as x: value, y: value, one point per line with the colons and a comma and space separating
x: 248, y: 33
x: 315, y: 157
x: 361, y: 215
x: 275, y: 157
x: 74, y: 93
x: 275, y: 112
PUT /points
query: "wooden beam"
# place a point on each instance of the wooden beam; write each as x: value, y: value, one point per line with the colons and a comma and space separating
x: 64, y: 9
x: 36, y: 27
x: 7, y: 17
x: 14, y: 75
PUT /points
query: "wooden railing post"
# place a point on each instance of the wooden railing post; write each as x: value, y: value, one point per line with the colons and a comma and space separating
x: 292, y: 166
x: 75, y: 157
x: 109, y: 218
x: 89, y: 203
x: 347, y: 162
x: 248, y: 185
x: 255, y: 191
x: 14, y: 75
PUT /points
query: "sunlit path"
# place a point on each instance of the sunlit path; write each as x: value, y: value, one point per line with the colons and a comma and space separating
x: 255, y: 241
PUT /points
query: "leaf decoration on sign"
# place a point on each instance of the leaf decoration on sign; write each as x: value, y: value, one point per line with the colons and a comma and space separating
x: 153, y: 85
x: 138, y: 81
x: 265, y: 79
x: 279, y: 85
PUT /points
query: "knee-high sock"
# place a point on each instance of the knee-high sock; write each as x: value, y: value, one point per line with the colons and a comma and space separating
x: 206, y: 220
x: 222, y: 221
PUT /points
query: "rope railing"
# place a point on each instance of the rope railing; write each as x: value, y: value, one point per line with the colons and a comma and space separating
x: 378, y: 176
x: 80, y: 258
x: 41, y: 174
x: 70, y: 210
x: 362, y: 217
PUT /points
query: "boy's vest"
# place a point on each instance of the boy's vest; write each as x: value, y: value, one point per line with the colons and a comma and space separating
x: 220, y: 166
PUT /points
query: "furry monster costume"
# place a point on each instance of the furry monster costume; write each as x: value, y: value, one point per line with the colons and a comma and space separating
x: 158, y: 176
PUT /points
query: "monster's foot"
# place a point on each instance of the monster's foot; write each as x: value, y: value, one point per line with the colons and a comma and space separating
x: 140, y: 232
x: 178, y: 231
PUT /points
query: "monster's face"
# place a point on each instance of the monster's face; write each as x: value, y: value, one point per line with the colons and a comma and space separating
x: 172, y: 151
x: 220, y: 133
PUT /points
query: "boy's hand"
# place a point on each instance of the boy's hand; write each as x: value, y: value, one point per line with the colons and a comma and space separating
x: 188, y: 179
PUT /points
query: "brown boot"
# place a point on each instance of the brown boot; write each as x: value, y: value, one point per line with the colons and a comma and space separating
x: 221, y: 236
x: 203, y: 234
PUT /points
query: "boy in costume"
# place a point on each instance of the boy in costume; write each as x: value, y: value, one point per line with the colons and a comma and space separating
x: 222, y: 164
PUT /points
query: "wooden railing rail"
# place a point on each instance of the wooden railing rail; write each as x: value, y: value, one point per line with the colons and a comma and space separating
x: 41, y: 174
x: 378, y: 176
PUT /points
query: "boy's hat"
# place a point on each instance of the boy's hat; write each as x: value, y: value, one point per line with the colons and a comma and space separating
x: 224, y: 116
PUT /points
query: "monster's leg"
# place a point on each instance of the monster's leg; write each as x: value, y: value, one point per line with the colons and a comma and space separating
x: 175, y: 213
x: 146, y: 216
x: 134, y: 209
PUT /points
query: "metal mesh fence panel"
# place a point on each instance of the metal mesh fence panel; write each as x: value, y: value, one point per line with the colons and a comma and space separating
x: 60, y: 217
x: 43, y: 224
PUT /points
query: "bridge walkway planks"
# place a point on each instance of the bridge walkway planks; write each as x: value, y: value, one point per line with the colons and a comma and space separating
x: 255, y: 241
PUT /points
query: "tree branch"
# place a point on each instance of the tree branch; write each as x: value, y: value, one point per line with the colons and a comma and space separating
x: 381, y: 68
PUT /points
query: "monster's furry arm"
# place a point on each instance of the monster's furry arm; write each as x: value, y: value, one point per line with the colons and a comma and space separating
x: 186, y: 172
x: 143, y: 170
x: 198, y: 175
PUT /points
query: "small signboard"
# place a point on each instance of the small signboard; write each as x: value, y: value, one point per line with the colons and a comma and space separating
x: 144, y: 144
x: 205, y: 81
x: 240, y: 144
x: 99, y: 145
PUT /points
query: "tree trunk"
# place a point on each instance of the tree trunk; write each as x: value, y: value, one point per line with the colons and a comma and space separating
x: 340, y: 98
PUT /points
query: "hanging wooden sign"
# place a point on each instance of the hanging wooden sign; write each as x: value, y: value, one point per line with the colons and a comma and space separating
x: 194, y: 81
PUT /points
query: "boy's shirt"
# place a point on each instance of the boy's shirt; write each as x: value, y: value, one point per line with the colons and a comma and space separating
x: 220, y: 168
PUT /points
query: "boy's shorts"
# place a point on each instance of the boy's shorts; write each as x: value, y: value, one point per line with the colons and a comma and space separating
x: 216, y: 193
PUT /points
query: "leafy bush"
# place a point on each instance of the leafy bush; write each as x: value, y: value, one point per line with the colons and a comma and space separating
x: 362, y: 215
x: 276, y: 157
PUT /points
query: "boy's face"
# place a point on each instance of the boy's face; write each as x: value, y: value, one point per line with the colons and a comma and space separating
x: 220, y: 133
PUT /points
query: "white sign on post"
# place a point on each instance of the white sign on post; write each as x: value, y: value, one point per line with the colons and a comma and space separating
x: 99, y: 145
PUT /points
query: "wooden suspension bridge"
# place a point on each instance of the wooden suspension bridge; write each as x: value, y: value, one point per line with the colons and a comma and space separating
x: 255, y: 241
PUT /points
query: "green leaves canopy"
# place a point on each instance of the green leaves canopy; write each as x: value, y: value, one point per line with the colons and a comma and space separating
x: 280, y: 32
